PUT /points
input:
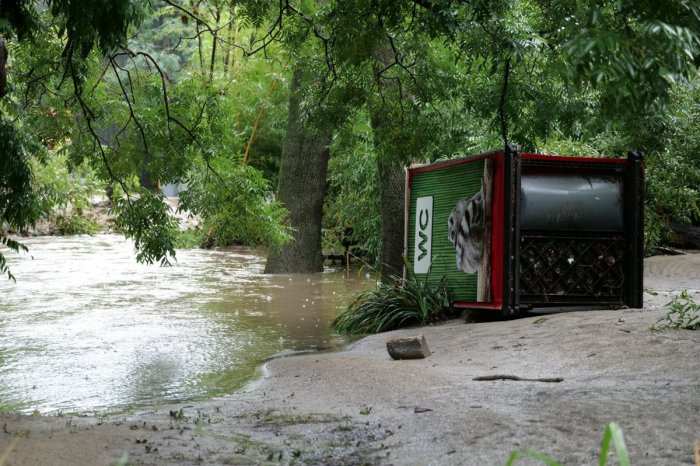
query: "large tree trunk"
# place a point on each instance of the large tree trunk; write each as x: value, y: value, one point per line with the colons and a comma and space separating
x: 391, y: 175
x: 302, y: 188
x: 392, y: 199
x: 391, y: 191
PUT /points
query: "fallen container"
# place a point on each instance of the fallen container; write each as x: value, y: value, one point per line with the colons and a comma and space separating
x: 514, y: 231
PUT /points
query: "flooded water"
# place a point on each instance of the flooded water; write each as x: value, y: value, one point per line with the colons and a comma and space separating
x: 86, y: 328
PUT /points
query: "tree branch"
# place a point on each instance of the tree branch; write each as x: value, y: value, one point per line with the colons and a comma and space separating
x: 89, y: 117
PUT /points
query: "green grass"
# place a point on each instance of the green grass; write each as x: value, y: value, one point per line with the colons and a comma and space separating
x: 400, y: 303
x: 613, y: 433
x: 683, y: 314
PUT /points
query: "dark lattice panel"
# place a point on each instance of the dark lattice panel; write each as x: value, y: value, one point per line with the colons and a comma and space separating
x: 571, y: 269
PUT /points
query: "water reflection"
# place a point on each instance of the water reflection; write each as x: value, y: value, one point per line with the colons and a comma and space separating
x: 86, y: 328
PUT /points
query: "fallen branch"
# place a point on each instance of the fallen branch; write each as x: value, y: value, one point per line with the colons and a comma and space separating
x: 520, y: 379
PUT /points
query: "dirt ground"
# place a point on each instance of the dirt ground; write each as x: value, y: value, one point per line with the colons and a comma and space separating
x: 360, y: 407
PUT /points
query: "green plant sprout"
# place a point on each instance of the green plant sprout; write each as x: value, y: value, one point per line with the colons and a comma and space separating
x: 683, y: 314
x: 613, y: 433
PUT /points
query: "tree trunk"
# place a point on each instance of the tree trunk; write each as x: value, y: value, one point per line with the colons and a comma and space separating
x: 3, y: 72
x: 391, y: 176
x: 199, y: 40
x: 302, y: 188
x: 212, y: 62
x: 146, y: 179
x: 391, y: 192
x: 229, y: 38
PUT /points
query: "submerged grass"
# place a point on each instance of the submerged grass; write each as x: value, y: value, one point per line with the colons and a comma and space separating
x: 400, y: 303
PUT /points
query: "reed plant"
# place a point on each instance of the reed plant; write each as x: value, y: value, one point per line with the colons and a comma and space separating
x: 400, y: 302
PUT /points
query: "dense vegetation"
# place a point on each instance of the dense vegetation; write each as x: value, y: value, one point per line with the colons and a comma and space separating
x: 130, y: 95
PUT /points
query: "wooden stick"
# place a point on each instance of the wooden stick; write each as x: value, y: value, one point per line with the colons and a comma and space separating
x: 696, y: 447
x: 261, y: 112
x: 520, y: 379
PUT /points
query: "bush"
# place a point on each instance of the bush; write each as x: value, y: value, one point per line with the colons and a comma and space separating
x: 400, y: 303
x: 73, y: 224
x: 236, y: 206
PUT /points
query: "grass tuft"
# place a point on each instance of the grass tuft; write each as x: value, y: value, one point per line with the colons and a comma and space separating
x: 401, y: 303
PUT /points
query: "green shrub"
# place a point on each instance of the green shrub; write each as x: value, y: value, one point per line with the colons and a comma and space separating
x: 63, y: 189
x: 192, y: 238
x: 236, y: 206
x: 400, y: 303
x: 73, y: 224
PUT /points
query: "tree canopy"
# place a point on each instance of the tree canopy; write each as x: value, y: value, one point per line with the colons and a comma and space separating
x: 176, y: 91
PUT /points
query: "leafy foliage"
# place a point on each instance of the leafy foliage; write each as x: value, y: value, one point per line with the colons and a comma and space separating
x: 15, y: 246
x: 352, y: 200
x: 146, y: 219
x: 673, y: 164
x: 74, y: 224
x: 635, y: 49
x: 18, y: 201
x: 236, y: 206
x: 95, y: 23
x: 19, y: 204
x: 400, y: 303
x: 683, y: 314
x: 64, y: 193
x: 673, y: 195
x: 147, y: 112
x: 430, y: 80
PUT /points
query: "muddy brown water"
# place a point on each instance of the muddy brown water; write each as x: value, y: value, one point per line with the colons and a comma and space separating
x: 87, y: 329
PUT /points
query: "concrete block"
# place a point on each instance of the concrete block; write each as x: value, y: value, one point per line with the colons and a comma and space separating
x: 408, y: 347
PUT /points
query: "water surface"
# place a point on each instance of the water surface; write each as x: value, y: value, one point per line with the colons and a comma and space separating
x: 86, y: 328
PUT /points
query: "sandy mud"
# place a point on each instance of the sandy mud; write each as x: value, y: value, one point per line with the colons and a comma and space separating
x: 459, y: 406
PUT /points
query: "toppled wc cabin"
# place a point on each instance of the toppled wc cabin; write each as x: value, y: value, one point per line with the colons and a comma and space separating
x: 513, y: 231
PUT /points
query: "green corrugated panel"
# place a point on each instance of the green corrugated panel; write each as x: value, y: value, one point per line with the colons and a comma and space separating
x: 447, y: 186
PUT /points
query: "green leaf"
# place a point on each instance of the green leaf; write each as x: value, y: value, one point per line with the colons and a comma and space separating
x: 532, y: 454
x: 614, y: 433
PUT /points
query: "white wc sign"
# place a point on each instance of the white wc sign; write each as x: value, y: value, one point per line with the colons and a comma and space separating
x: 424, y: 234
